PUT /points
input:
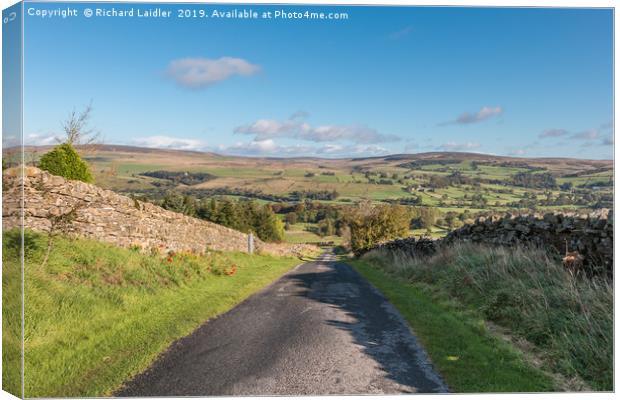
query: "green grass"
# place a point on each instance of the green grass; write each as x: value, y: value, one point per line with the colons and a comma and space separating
x: 435, y: 232
x: 11, y: 316
x: 469, y: 359
x: 565, y: 320
x: 301, y: 233
x: 97, y: 314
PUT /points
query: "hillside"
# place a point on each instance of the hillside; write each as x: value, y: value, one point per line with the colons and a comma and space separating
x: 459, y: 185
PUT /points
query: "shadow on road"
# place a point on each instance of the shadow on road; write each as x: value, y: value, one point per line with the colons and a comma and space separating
x: 373, y: 322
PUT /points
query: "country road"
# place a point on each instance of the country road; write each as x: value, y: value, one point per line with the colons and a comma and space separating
x: 320, y: 329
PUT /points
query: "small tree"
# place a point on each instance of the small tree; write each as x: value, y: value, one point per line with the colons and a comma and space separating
x: 371, y: 225
x: 291, y: 218
x: 76, y: 129
x: 64, y: 161
x: 268, y: 226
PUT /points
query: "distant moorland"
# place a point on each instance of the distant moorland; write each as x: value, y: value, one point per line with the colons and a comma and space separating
x: 453, y: 187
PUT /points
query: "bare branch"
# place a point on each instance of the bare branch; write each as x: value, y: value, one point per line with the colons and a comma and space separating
x: 77, y: 130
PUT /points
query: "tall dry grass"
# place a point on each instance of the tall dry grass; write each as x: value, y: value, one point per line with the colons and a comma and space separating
x: 568, y: 317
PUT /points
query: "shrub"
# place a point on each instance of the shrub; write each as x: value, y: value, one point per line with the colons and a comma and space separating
x: 371, y: 225
x: 64, y: 161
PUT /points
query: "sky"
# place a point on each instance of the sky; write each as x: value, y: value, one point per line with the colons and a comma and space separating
x: 529, y: 82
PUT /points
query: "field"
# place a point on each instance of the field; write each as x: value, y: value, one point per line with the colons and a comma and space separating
x: 97, y: 314
x: 483, y: 183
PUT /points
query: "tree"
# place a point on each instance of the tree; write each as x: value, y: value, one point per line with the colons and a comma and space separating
x: 438, y: 182
x: 537, y: 181
x: 177, y: 202
x: 64, y: 161
x: 227, y: 215
x: 450, y: 218
x: 76, y: 129
x: 189, y: 205
x: 268, y: 226
x: 424, y: 217
x: 371, y: 225
x: 327, y: 227
x: 291, y: 218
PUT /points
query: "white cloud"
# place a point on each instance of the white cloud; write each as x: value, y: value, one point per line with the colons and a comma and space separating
x: 370, y: 150
x: 268, y: 147
x: 549, y: 133
x: 266, y: 128
x: 523, y: 150
x: 254, y: 147
x: 39, y: 139
x: 296, y: 128
x: 353, y: 133
x: 604, y: 133
x: 202, y: 72
x: 469, y: 118
x: 331, y: 149
x: 32, y: 139
x: 10, y: 141
x: 453, y: 146
x: 591, y: 134
x: 167, y: 142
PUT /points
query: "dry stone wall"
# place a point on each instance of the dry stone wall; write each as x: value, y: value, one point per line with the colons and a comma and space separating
x: 591, y: 235
x: 103, y: 215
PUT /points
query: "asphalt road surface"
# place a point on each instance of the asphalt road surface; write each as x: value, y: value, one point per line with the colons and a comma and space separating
x: 320, y: 329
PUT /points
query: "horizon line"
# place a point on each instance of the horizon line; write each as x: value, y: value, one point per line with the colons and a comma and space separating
x: 322, y: 158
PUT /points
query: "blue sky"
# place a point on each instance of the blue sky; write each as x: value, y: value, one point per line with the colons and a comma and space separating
x: 523, y: 82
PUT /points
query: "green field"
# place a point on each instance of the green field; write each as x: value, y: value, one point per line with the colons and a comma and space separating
x: 406, y: 179
x: 97, y: 314
x: 121, y: 171
x: 302, y: 233
x: 377, y: 180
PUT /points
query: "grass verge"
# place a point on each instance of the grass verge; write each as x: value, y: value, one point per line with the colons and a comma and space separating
x: 566, y: 320
x: 11, y: 316
x: 97, y: 314
x: 469, y: 359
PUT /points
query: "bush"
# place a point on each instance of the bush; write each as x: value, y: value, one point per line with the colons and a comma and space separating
x: 373, y: 225
x: 64, y: 161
